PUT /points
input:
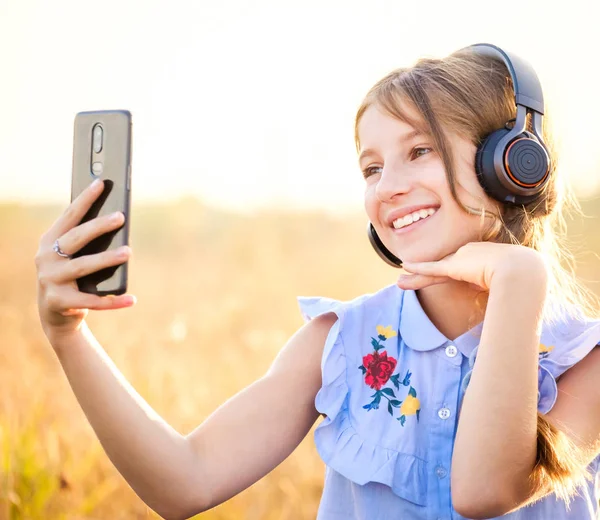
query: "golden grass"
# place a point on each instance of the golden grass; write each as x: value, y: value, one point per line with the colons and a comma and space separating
x: 214, y: 290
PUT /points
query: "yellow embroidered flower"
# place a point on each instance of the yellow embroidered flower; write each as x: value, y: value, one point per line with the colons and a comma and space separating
x: 386, y: 332
x: 544, y: 348
x: 410, y: 406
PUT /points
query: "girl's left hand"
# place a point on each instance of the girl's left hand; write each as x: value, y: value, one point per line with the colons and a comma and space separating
x: 476, y: 263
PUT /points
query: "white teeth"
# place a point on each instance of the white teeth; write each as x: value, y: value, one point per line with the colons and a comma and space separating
x: 413, y: 217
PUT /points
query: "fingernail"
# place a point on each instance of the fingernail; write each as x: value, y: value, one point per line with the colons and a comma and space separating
x: 96, y: 183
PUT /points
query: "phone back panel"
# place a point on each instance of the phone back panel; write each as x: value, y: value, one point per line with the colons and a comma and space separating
x: 115, y: 157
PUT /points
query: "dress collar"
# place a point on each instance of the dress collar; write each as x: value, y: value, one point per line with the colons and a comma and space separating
x: 419, y: 333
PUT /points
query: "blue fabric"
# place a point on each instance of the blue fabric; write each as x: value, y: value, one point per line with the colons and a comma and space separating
x: 391, y: 389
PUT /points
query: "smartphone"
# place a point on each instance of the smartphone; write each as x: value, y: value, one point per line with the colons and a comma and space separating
x: 102, y: 149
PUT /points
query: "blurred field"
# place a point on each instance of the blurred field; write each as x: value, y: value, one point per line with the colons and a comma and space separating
x: 216, y: 301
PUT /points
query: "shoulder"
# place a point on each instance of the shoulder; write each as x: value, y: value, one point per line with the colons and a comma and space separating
x: 323, y: 316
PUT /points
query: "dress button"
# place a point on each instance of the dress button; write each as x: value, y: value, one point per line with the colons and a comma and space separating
x: 444, y: 413
x: 451, y: 351
x: 441, y: 472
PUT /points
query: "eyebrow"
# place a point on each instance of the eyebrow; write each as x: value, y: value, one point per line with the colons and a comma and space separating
x: 406, y: 137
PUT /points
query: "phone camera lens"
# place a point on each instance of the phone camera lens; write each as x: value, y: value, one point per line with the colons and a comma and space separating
x: 97, y: 137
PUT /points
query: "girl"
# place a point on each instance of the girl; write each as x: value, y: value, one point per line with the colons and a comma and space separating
x: 430, y: 411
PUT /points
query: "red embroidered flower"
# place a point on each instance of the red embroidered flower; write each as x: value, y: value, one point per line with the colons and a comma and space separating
x: 379, y: 369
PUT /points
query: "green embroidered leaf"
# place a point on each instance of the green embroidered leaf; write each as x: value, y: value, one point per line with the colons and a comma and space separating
x: 390, y: 409
x: 364, y: 370
x: 381, y: 337
x: 402, y: 419
x: 412, y: 392
x: 395, y: 402
x: 394, y: 379
x: 388, y: 391
x: 378, y: 393
x: 375, y: 344
x: 418, y: 411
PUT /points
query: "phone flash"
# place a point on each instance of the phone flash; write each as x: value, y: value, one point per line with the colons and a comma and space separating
x: 97, y: 167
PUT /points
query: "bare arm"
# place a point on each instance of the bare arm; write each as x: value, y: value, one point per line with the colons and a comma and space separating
x: 493, y: 455
x: 252, y: 433
x: 179, y: 476
x: 576, y: 413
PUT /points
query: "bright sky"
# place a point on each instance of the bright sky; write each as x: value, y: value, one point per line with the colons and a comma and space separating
x: 251, y: 103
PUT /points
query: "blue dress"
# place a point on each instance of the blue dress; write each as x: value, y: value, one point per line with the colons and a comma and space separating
x: 391, y: 389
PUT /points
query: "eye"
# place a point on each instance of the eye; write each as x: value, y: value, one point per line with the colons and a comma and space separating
x: 367, y: 172
x: 416, y: 151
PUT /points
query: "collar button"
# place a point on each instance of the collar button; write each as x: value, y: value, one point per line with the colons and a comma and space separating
x: 451, y: 351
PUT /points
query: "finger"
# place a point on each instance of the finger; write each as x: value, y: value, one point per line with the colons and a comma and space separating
x: 84, y: 265
x: 70, y: 300
x: 418, y: 281
x: 105, y: 303
x: 76, y: 210
x: 439, y: 268
x: 77, y: 237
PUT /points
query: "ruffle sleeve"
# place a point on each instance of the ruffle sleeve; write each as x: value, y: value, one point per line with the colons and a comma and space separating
x: 339, y: 445
x: 562, y: 346
x: 332, y: 396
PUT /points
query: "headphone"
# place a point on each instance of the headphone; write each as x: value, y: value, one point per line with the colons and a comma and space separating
x: 511, y: 163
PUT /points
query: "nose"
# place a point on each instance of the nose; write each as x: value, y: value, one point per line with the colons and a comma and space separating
x: 392, y: 183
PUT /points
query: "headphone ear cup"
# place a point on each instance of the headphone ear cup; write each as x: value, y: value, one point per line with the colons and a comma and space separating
x: 484, y: 166
x: 384, y: 253
x: 525, y: 165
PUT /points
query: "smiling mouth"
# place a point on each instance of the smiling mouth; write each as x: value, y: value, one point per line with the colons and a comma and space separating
x: 412, y: 218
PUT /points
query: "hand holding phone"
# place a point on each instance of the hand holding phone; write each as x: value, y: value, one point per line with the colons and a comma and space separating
x: 62, y: 307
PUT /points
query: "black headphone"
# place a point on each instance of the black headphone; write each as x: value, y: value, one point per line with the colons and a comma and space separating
x: 512, y: 164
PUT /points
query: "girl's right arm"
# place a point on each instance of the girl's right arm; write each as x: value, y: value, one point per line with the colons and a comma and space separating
x: 178, y: 476
x: 243, y: 440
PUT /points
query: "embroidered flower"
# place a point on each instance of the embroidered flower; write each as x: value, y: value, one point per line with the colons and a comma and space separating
x: 386, y: 332
x: 544, y: 350
x: 410, y: 406
x: 379, y: 369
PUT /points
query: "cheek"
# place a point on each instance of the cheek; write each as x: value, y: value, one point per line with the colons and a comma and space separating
x: 461, y: 227
x: 370, y: 201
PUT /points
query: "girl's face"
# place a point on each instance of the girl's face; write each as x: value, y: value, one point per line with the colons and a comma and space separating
x: 405, y: 179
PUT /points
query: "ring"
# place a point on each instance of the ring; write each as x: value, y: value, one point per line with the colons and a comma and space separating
x: 59, y: 251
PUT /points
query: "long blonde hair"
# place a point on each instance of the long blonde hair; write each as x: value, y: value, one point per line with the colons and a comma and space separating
x: 472, y: 95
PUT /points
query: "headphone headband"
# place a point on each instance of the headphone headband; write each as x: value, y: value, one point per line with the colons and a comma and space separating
x: 527, y: 87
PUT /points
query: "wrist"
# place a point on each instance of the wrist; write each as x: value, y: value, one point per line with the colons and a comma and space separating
x: 62, y: 341
x: 526, y: 271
